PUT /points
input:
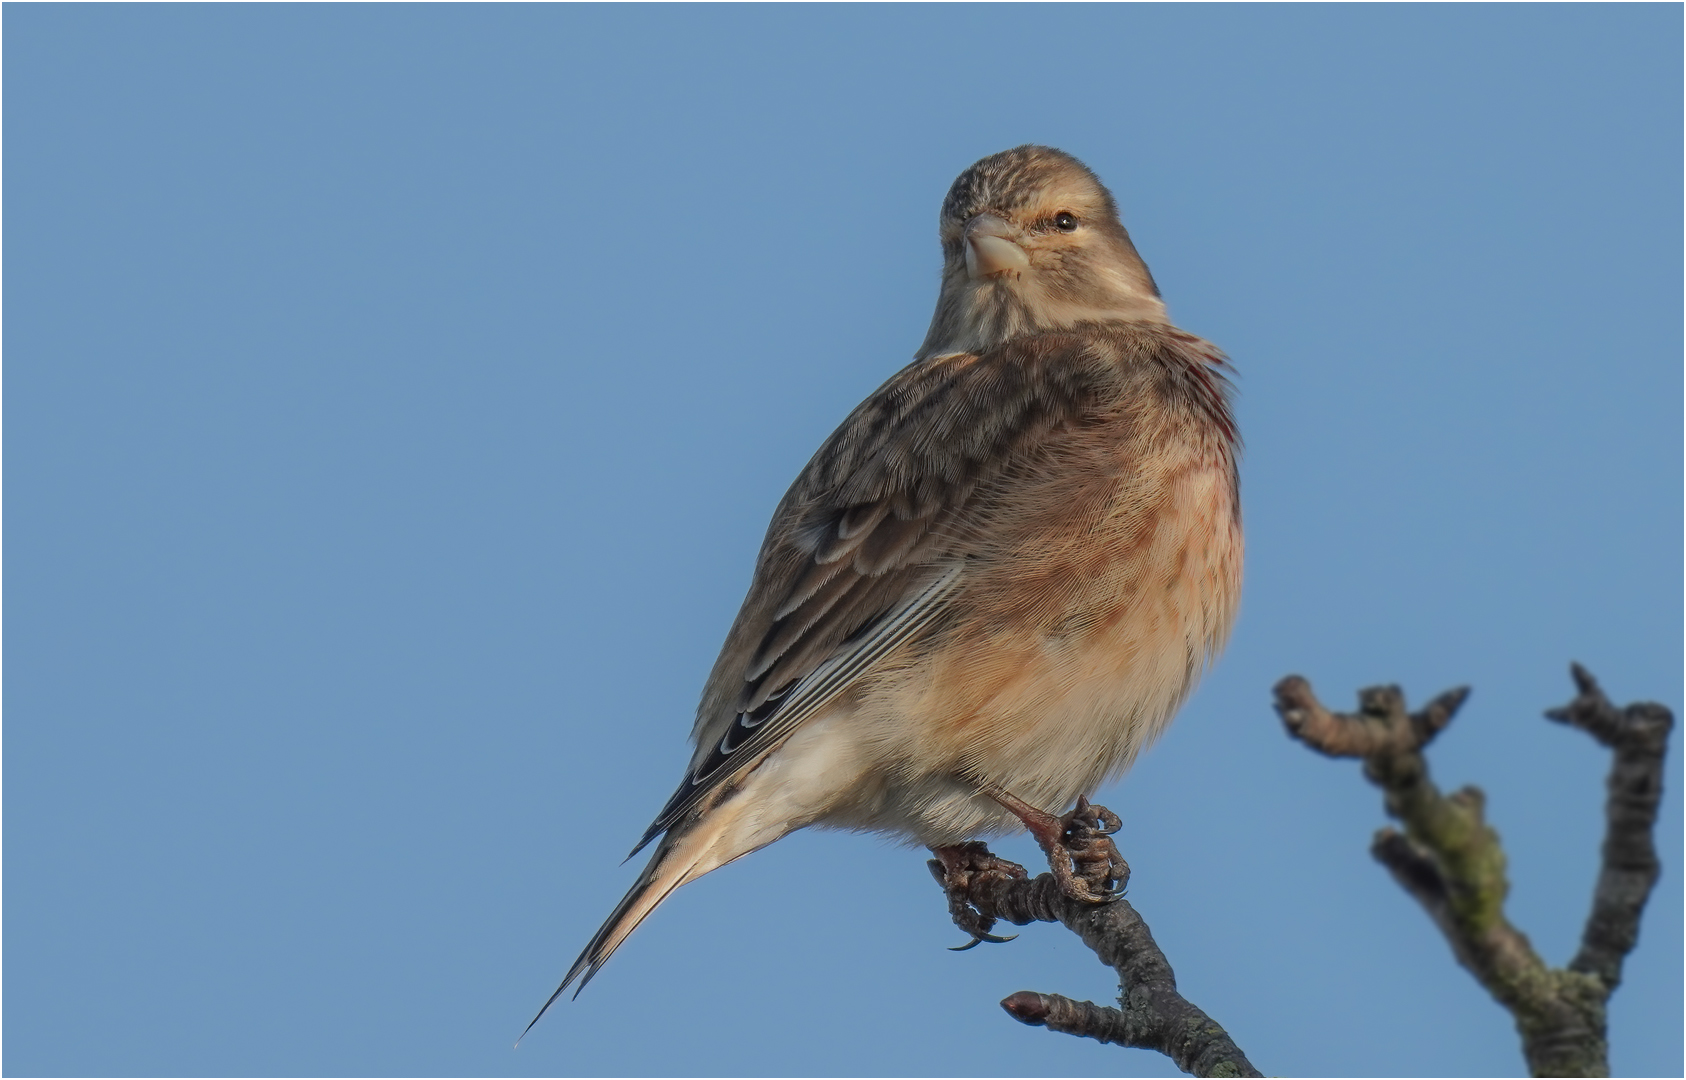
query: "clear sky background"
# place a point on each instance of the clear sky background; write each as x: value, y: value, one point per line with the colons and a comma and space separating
x: 396, y: 397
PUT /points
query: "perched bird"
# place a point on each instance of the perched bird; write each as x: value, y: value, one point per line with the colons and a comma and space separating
x: 997, y: 581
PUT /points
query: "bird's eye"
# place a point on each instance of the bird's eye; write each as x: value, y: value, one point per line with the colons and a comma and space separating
x: 1065, y: 221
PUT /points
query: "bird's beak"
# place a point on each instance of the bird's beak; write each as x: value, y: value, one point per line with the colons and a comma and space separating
x: 989, y: 249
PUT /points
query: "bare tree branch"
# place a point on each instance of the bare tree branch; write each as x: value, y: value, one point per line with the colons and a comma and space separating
x: 1381, y: 726
x: 1639, y: 736
x: 1451, y: 861
x: 1154, y: 1016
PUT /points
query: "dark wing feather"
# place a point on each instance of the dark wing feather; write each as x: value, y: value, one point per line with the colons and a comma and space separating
x: 871, y: 540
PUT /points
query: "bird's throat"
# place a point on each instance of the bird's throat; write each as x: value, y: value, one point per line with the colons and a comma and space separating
x: 974, y: 316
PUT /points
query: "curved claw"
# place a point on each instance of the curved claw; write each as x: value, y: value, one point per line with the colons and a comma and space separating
x: 979, y: 939
x: 1105, y: 821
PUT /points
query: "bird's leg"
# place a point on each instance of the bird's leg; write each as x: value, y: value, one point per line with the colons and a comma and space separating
x: 957, y: 868
x: 1079, y: 846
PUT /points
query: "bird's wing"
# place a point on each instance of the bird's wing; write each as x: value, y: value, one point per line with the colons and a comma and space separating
x: 869, y: 546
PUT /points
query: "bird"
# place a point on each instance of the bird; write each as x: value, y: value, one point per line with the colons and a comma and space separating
x: 996, y: 582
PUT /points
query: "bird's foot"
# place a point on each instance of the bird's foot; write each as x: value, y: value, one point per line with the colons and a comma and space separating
x: 960, y: 867
x: 1096, y: 859
x: 1086, y: 863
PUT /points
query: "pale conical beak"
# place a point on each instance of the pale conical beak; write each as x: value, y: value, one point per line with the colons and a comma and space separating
x: 988, y: 249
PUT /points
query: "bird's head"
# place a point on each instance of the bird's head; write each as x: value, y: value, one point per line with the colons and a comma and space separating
x: 1032, y: 241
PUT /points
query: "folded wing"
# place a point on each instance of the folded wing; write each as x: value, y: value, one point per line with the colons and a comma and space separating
x: 869, y: 546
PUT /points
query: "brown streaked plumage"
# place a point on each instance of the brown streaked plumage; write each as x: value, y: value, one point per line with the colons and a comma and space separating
x: 1003, y: 573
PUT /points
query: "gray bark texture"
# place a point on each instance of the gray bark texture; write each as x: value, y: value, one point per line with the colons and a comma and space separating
x: 1450, y: 860
x: 1153, y: 1015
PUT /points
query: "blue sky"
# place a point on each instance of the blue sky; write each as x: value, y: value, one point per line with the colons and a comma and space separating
x: 397, y: 396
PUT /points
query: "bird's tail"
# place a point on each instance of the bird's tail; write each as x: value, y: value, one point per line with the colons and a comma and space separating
x: 682, y: 857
